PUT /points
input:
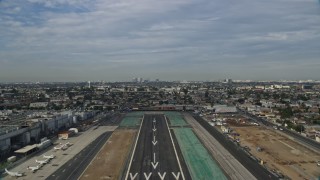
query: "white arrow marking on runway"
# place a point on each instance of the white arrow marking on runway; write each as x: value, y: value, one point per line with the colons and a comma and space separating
x: 154, y: 163
x: 154, y: 120
x: 162, y: 176
x: 147, y: 177
x: 154, y: 128
x: 176, y: 176
x: 133, y: 177
x: 154, y: 142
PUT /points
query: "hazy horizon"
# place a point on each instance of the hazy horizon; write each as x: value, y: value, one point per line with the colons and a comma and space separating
x: 82, y: 40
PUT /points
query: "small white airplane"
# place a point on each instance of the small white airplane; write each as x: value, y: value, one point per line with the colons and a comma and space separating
x: 57, y: 147
x: 68, y: 144
x: 49, y: 157
x: 16, y: 174
x: 63, y: 138
x: 33, y: 168
x: 43, y: 162
x: 64, y: 147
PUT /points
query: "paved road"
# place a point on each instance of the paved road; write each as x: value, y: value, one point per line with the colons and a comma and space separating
x: 307, y: 141
x: 253, y: 166
x: 75, y: 166
x: 154, y: 157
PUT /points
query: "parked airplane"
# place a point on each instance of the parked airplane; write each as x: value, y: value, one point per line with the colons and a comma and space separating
x: 43, y: 162
x: 68, y: 144
x: 64, y: 147
x: 63, y: 138
x: 49, y: 157
x: 57, y: 147
x: 16, y: 174
x: 34, y: 168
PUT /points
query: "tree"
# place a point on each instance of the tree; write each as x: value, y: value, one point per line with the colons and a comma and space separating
x: 286, y: 112
x: 241, y: 100
x: 185, y: 91
x: 140, y: 89
x: 302, y: 97
x: 275, y: 96
x: 206, y: 94
x: 299, y: 128
x: 316, y: 122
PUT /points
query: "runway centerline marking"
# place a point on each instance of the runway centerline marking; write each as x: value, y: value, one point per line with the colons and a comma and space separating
x: 154, y: 142
x: 154, y: 163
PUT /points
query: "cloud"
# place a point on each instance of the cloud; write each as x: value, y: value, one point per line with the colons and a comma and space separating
x: 145, y: 36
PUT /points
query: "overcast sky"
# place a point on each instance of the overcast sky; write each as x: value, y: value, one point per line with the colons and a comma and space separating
x: 116, y: 40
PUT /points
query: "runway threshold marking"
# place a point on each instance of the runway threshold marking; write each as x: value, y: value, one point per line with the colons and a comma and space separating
x: 176, y: 176
x: 174, y: 148
x: 147, y: 176
x: 132, y: 177
x: 162, y: 176
x: 134, y: 150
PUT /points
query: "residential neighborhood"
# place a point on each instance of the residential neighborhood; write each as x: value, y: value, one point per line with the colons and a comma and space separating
x: 239, y: 110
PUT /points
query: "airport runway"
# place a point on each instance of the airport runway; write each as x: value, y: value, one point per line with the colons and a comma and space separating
x: 154, y: 156
x: 75, y: 166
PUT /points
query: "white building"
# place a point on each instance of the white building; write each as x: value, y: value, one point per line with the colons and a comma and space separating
x: 38, y: 104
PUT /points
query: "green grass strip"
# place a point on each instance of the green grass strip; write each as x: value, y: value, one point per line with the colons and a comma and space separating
x: 132, y: 119
x: 199, y: 161
x: 175, y: 118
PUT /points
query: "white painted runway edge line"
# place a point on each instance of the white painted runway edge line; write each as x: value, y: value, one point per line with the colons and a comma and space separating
x: 174, y: 148
x: 134, y: 149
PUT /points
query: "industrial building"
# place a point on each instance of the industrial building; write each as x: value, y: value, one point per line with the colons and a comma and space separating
x: 28, y: 128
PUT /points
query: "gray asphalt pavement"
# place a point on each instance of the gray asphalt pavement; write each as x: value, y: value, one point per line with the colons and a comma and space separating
x: 75, y: 166
x: 154, y: 157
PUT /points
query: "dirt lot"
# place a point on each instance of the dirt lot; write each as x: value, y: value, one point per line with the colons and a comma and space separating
x: 280, y: 153
x: 110, y: 160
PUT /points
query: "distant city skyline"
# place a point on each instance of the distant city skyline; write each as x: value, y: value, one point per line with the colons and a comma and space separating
x: 82, y: 40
